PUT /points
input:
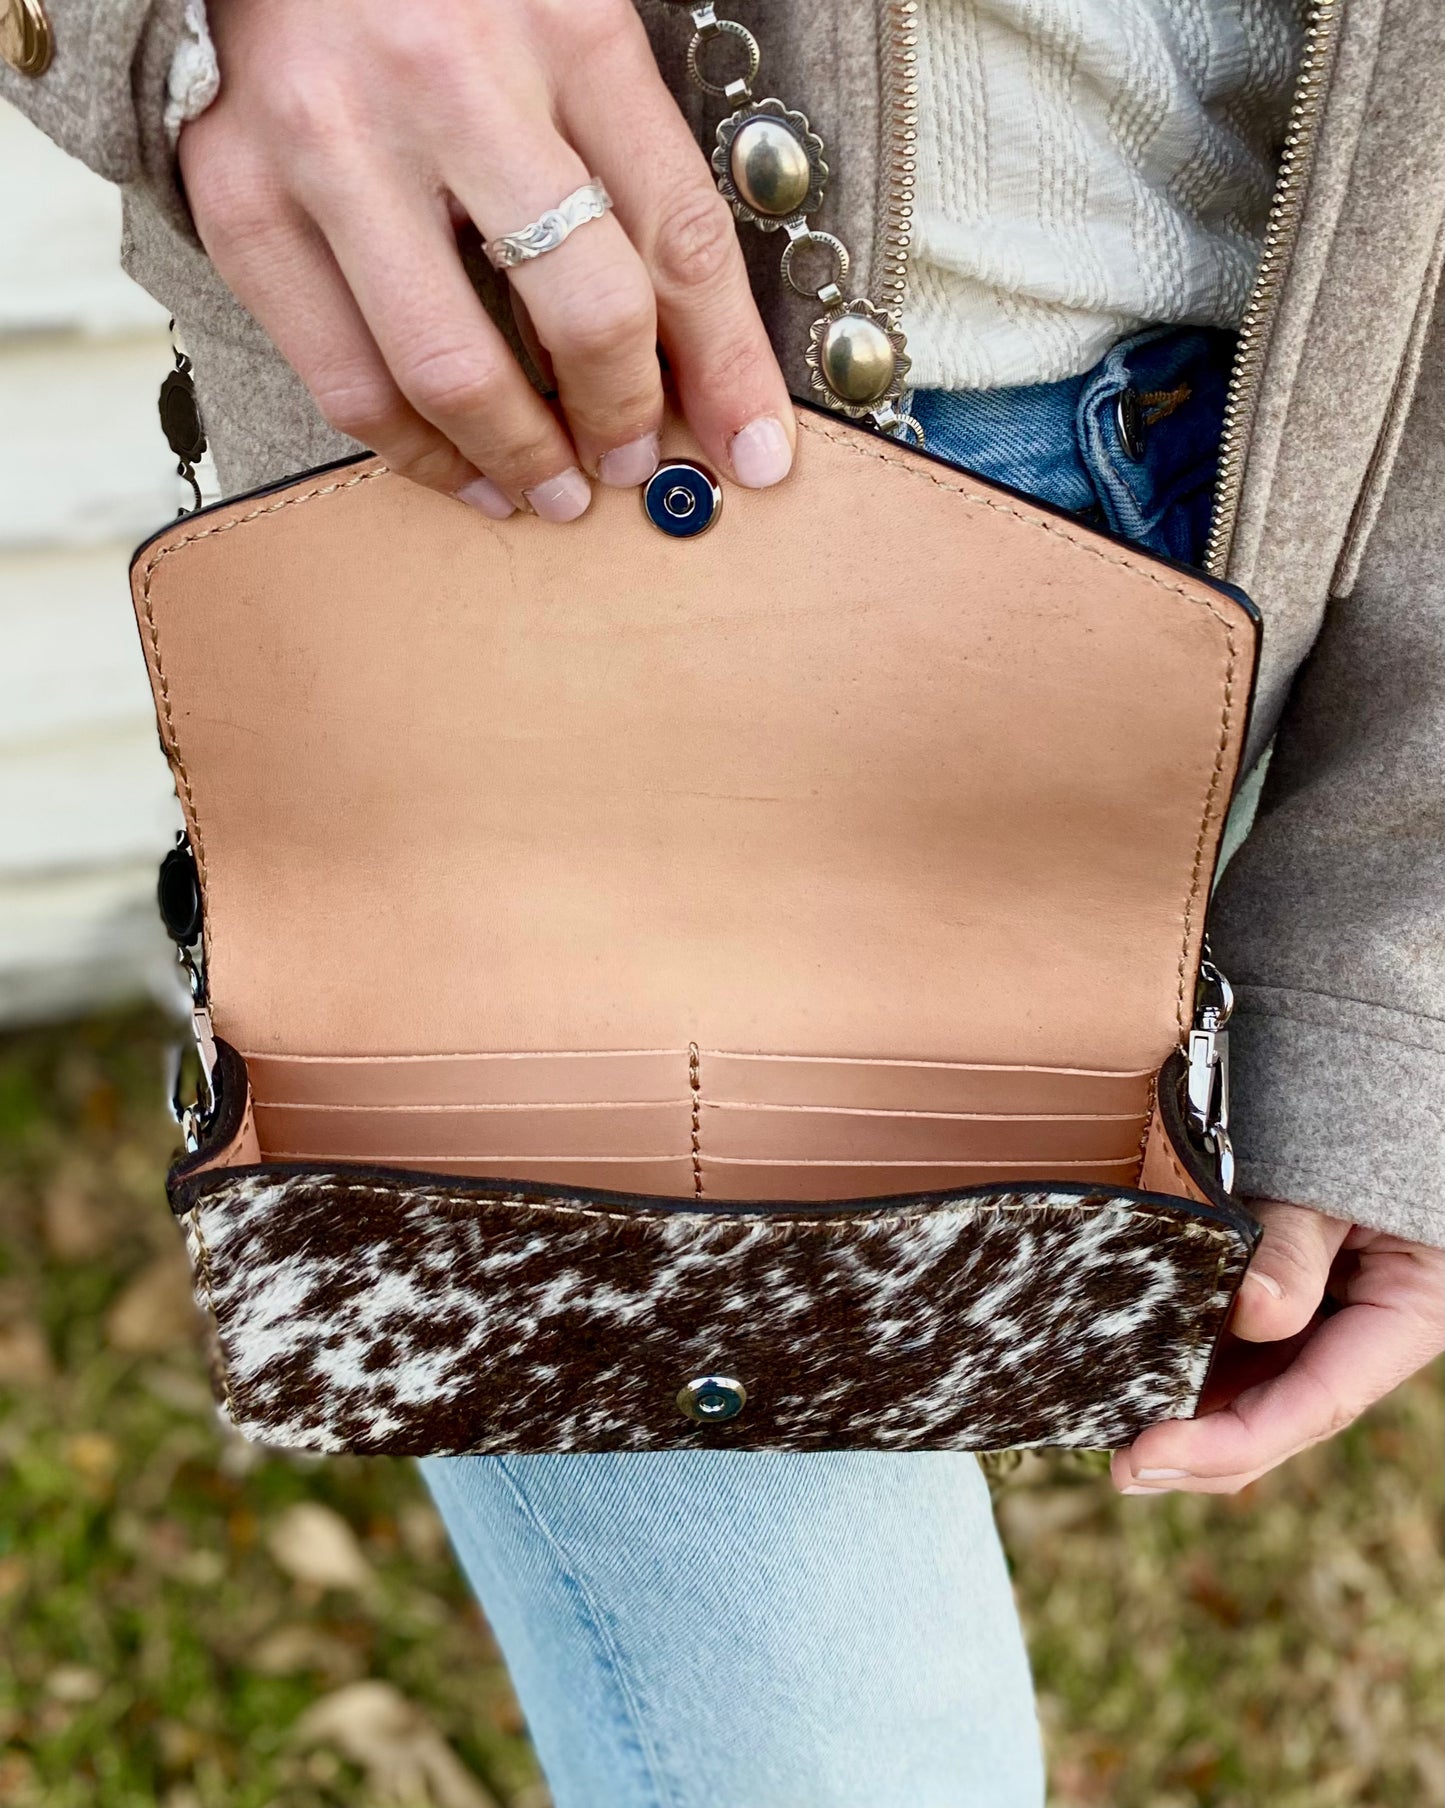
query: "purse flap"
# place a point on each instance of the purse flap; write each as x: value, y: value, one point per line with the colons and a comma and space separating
x: 889, y: 765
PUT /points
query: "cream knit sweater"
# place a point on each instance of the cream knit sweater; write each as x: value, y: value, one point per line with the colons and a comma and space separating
x: 1086, y: 167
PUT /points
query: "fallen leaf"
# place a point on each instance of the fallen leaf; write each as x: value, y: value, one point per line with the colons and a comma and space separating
x: 156, y: 1311
x: 201, y: 1569
x: 180, y: 1744
x: 74, y: 1683
x: 242, y: 1528
x: 291, y: 1650
x: 182, y: 1389
x: 422, y: 1532
x: 101, y: 1107
x: 405, y: 1758
x: 16, y: 1773
x: 24, y: 1355
x: 313, y: 1544
x: 93, y: 1455
x: 1031, y: 1516
x: 74, y: 1227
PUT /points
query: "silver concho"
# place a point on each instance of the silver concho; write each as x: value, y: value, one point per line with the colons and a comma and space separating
x: 769, y: 164
x: 857, y: 359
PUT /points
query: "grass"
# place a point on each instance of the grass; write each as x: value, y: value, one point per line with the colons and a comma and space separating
x: 186, y: 1621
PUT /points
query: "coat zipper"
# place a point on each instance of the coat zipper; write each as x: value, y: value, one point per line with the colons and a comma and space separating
x: 899, y: 92
x: 1301, y: 136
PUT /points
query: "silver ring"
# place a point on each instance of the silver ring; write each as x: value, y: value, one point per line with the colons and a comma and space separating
x: 589, y: 202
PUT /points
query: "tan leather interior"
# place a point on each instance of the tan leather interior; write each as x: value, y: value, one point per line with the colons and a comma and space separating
x: 857, y: 846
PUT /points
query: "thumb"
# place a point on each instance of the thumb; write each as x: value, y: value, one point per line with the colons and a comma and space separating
x: 1285, y: 1281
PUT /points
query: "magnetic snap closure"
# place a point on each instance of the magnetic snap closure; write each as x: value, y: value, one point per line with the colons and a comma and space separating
x: 710, y: 1399
x: 682, y: 499
x: 26, y: 41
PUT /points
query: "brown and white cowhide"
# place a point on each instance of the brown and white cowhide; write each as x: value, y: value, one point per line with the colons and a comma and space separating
x: 387, y: 1312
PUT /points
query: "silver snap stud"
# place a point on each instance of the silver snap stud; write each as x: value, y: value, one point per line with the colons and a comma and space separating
x: 681, y: 499
x: 711, y: 1399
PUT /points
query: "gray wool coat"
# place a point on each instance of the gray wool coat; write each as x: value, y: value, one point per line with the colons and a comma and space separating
x: 1330, y: 918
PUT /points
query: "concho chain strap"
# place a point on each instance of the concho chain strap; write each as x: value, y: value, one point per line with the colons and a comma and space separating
x: 770, y: 169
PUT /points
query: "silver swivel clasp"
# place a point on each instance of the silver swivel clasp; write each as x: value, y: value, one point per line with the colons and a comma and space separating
x: 1207, y: 1086
x: 194, y: 1115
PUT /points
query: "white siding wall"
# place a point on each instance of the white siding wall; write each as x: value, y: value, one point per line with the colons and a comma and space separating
x: 86, y: 803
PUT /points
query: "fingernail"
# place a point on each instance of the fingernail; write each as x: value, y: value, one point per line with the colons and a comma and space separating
x: 760, y: 453
x: 483, y: 495
x: 1161, y: 1475
x: 1267, y: 1281
x: 624, y: 467
x: 561, y: 498
x: 1156, y: 1492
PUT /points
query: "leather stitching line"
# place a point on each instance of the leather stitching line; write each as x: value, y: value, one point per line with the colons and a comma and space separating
x: 153, y: 634
x: 1144, y: 1134
x: 1177, y: 1168
x: 1048, y: 525
x: 1124, y: 563
x: 694, y: 1078
x: 248, y: 1122
x: 1184, y: 1016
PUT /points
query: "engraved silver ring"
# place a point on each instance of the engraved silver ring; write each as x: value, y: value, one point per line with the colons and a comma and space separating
x: 589, y: 202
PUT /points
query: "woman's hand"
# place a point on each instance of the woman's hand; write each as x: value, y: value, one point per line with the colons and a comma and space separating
x: 1288, y: 1375
x: 350, y: 139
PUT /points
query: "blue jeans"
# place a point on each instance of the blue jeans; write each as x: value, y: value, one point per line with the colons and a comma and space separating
x: 1131, y: 446
x: 731, y: 1629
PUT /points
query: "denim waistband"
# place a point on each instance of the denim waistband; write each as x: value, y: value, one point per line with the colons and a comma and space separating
x: 1131, y: 445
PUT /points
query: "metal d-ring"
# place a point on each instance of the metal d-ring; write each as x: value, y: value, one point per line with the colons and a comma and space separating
x: 799, y: 236
x: 709, y: 28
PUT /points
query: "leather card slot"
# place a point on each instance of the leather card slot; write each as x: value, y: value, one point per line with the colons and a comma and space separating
x: 772, y: 1180
x: 478, y: 1135
x: 852, y: 1084
x: 669, y: 1177
x: 796, y: 1133
x: 644, y: 1076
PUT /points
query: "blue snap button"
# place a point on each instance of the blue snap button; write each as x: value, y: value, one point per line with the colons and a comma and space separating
x: 712, y: 1398
x: 681, y: 499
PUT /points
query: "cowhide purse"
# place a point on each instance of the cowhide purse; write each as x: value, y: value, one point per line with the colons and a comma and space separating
x: 667, y: 988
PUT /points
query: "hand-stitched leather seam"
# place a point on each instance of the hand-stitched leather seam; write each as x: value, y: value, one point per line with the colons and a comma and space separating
x: 978, y: 499
x: 457, y: 1204
x: 153, y: 635
x: 1177, y: 1168
x: 1045, y: 522
x: 694, y: 1079
x: 1144, y: 1135
x: 248, y: 1123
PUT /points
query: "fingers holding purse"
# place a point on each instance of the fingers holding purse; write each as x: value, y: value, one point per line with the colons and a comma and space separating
x: 327, y: 180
